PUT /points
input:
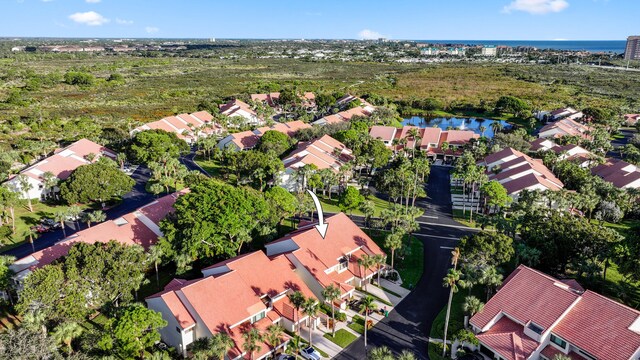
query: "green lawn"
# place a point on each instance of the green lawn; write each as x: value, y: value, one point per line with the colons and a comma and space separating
x: 213, y: 167
x: 24, y: 220
x: 456, y: 318
x: 343, y: 338
x: 412, y: 265
x: 331, y: 206
x: 357, y: 324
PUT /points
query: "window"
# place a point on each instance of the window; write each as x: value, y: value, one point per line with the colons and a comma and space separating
x: 178, y: 330
x: 535, y: 328
x: 558, y: 341
x: 258, y: 317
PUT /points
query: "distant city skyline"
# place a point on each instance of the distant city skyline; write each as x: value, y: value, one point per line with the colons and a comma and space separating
x: 327, y: 19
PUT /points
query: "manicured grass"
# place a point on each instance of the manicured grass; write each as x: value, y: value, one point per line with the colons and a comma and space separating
x: 331, y: 205
x: 412, y: 265
x: 24, y: 220
x: 213, y: 167
x: 456, y: 318
x: 357, y: 324
x: 343, y: 338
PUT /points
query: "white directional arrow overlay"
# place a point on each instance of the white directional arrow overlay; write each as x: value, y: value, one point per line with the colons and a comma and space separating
x: 321, y: 227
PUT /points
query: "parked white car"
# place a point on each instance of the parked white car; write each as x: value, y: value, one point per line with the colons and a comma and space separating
x: 310, y: 353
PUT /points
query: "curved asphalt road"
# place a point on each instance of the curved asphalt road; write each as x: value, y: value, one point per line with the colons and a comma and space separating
x: 409, y: 324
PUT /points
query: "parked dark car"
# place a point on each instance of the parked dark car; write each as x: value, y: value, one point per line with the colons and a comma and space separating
x: 41, y: 228
x: 52, y: 224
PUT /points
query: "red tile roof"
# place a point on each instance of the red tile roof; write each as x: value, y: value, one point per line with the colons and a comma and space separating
x: 384, y: 133
x: 528, y: 296
x: 518, y: 171
x: 459, y: 137
x: 619, y: 173
x: 600, y: 326
x: 321, y: 153
x: 508, y: 339
x: 245, y: 140
x: 567, y: 127
x: 182, y: 124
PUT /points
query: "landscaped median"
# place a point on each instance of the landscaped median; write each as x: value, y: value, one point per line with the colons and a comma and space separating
x: 411, y: 265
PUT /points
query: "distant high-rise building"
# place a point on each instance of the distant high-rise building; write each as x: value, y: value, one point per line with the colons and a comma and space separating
x: 633, y: 48
x: 489, y: 50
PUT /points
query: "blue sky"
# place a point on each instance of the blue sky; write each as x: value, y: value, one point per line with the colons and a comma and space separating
x: 343, y: 19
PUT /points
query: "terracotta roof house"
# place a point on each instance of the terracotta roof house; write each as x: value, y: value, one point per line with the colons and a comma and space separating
x: 323, y: 153
x: 140, y: 227
x: 271, y: 99
x: 517, y: 171
x: 431, y: 139
x: 189, y: 127
x: 290, y: 128
x: 61, y: 164
x: 248, y: 291
x: 332, y: 260
x: 620, y: 173
x: 631, y: 119
x: 241, y: 109
x: 244, y: 140
x: 575, y: 153
x: 564, y: 127
x: 346, y: 115
x: 565, y: 113
x: 535, y: 316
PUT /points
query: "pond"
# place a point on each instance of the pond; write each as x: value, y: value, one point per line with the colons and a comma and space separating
x: 472, y: 124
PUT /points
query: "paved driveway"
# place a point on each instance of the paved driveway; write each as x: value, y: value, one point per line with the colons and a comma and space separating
x: 408, y: 326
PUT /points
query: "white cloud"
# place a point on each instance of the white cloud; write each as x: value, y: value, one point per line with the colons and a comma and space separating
x: 93, y: 1
x: 367, y: 34
x: 536, y: 7
x: 151, y: 29
x: 90, y: 18
x: 124, y: 22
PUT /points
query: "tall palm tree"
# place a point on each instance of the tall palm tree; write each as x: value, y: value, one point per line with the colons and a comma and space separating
x: 393, y: 242
x: 449, y: 281
x: 49, y: 182
x: 203, y: 348
x: 61, y: 216
x: 121, y: 158
x: 366, y: 261
x: 273, y: 335
x: 31, y: 233
x: 482, y: 130
x: 367, y: 304
x: 154, y: 255
x: 380, y: 260
x: 66, y: 332
x: 297, y: 300
x: 332, y: 293
x: 94, y: 217
x: 491, y: 278
x: 310, y: 308
x: 251, y: 339
x: 381, y: 353
x: 472, y: 305
x: 25, y: 187
x: 74, y: 212
x: 496, y: 126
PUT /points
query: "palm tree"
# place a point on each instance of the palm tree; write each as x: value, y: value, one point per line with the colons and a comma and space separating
x: 251, y: 339
x: 449, y: 281
x: 203, y: 348
x: 310, y: 308
x: 31, y: 233
x: 406, y: 355
x: 49, y: 182
x: 94, y: 217
x: 223, y: 342
x: 368, y: 209
x: 26, y: 186
x: 366, y: 261
x: 496, y: 126
x: 380, y: 260
x: 332, y: 293
x: 74, y: 212
x: 61, y: 216
x: 381, y: 353
x: 472, y: 305
x: 482, y: 130
x: 393, y: 242
x: 66, y: 332
x: 297, y: 300
x: 490, y: 278
x: 155, y: 255
x: 367, y: 304
x: 121, y: 158
x: 273, y: 335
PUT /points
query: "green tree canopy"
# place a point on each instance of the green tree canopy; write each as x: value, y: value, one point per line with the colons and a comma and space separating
x: 486, y: 249
x: 350, y: 199
x: 282, y: 203
x: 215, y: 219
x: 133, y: 331
x: 151, y: 145
x: 274, y: 141
x: 512, y: 105
x: 99, y: 182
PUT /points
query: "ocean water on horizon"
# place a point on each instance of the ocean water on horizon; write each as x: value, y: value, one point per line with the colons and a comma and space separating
x: 613, y: 46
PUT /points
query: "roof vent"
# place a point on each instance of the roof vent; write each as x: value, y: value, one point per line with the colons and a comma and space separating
x: 120, y: 221
x: 635, y: 326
